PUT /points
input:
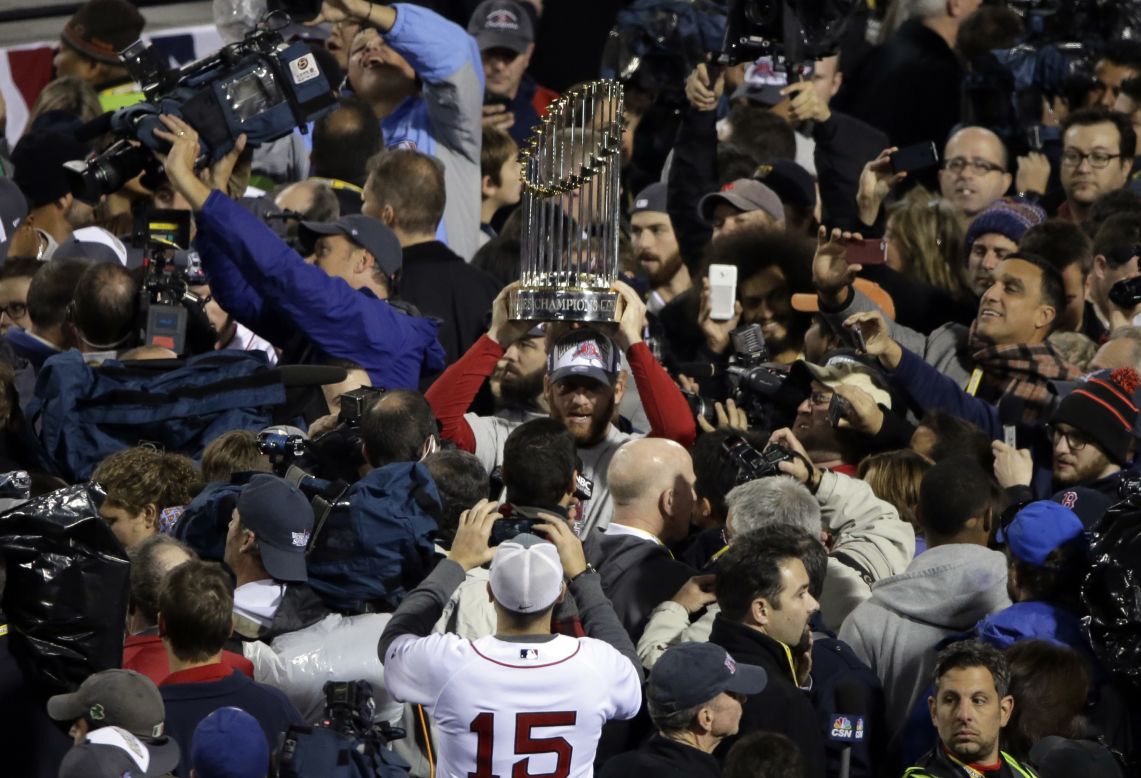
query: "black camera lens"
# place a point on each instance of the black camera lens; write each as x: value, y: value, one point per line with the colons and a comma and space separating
x: 107, y: 173
x: 700, y: 407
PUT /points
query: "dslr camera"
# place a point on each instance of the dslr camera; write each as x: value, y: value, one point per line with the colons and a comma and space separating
x: 260, y: 86
x: 751, y: 464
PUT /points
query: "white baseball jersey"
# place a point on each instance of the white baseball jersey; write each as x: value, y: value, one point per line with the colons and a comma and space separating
x: 514, y: 710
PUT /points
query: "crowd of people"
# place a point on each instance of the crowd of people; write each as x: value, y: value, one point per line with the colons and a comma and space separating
x: 845, y: 528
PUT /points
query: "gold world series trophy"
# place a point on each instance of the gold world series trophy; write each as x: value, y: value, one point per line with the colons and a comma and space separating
x: 570, y: 170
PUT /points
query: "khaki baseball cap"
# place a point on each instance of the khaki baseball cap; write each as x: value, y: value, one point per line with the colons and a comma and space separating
x: 744, y: 194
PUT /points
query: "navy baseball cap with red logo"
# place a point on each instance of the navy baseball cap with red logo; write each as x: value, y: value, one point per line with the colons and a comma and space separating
x: 501, y: 24
x: 690, y: 674
x: 584, y: 353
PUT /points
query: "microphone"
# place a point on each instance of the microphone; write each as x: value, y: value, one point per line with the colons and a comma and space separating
x: 848, y: 728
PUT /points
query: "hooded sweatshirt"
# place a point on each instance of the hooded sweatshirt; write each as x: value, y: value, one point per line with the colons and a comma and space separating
x: 947, y: 589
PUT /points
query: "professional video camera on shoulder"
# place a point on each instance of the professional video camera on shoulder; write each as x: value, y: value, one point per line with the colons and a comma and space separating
x: 347, y: 738
x: 333, y: 455
x: 261, y: 86
x: 170, y: 314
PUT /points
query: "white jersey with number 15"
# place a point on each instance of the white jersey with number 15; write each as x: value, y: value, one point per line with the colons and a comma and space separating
x: 514, y: 710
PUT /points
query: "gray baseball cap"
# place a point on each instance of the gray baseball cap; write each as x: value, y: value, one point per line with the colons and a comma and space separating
x: 368, y: 233
x: 744, y: 194
x: 652, y: 198
x: 501, y: 24
x: 119, y: 698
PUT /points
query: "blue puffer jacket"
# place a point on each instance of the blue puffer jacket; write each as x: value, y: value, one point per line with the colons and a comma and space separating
x: 267, y: 286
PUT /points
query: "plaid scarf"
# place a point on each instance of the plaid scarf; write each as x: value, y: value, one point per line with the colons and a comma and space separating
x: 1023, y: 370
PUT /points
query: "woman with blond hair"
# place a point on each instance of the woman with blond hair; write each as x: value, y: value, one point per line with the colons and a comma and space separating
x: 924, y: 240
x: 894, y: 477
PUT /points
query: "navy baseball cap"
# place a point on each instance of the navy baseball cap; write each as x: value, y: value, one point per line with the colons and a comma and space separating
x: 229, y: 743
x: 501, y: 24
x: 690, y: 674
x: 1038, y: 529
x: 278, y: 513
x: 584, y: 352
x: 370, y: 234
x: 1090, y: 505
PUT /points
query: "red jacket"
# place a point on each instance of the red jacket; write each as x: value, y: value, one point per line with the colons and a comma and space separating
x: 453, y: 392
x: 146, y: 654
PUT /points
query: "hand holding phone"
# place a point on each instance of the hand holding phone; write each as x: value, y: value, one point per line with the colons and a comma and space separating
x: 918, y: 157
x: 866, y: 252
x: 856, y: 335
x: 722, y: 292
x: 838, y: 408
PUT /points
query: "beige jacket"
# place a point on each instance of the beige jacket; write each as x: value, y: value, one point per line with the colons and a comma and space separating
x: 869, y: 542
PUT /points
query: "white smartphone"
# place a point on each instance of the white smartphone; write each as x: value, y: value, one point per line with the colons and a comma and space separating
x: 722, y: 291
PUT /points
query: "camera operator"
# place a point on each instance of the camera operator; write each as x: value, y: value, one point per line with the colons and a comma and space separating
x: 265, y: 547
x: 838, y: 433
x: 60, y: 222
x: 583, y: 386
x: 423, y: 78
x: 334, y: 305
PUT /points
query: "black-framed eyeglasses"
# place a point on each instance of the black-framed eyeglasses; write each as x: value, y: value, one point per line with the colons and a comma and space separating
x: 978, y: 166
x: 15, y: 310
x: 1097, y: 159
x: 1075, y: 440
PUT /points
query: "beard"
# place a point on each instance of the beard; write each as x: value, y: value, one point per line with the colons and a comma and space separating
x: 1082, y: 474
x: 521, y: 391
x: 599, y: 422
x: 667, y: 269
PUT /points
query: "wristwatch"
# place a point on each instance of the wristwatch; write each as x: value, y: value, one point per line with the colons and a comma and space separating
x: 589, y: 570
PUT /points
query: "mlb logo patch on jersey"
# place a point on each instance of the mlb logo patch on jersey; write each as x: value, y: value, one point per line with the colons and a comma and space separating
x: 531, y: 654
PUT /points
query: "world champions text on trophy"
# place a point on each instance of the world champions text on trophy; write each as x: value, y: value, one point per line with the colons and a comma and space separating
x: 570, y: 172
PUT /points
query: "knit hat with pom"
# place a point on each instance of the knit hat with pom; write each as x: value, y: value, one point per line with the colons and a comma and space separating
x: 1008, y: 217
x: 1104, y: 407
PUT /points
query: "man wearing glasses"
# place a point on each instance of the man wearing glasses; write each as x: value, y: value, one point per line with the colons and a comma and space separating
x: 1097, y: 155
x: 974, y: 173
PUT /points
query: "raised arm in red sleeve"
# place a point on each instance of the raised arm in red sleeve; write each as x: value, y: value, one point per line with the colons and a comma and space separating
x: 663, y: 402
x: 453, y: 392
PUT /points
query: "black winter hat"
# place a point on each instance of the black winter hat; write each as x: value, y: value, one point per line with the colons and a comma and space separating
x: 1103, y: 407
x: 38, y: 161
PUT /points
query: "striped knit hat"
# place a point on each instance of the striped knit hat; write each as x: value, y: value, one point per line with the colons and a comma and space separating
x: 1008, y: 217
x: 1103, y: 407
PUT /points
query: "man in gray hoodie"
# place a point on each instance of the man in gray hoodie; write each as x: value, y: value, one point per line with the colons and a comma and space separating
x: 945, y: 590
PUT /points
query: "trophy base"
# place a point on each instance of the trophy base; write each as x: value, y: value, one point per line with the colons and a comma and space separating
x: 563, y: 305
